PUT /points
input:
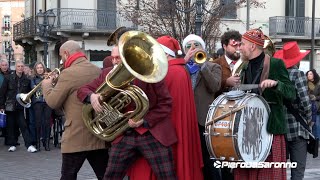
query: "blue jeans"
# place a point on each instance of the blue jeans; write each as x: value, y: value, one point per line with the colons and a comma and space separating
x: 316, y: 127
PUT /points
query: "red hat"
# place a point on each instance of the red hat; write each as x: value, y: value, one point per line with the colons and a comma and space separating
x: 170, y: 45
x: 255, y: 36
x: 291, y: 54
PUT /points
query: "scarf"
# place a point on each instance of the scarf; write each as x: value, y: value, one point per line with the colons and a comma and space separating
x: 311, y: 86
x: 73, y: 58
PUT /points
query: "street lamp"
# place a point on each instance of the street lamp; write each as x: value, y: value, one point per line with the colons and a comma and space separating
x: 45, y: 23
x: 200, y: 8
x: 9, y: 53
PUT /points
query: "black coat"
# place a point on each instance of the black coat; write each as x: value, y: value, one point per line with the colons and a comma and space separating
x: 11, y: 86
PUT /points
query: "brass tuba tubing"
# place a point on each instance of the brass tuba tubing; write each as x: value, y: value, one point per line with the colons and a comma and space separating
x: 25, y: 99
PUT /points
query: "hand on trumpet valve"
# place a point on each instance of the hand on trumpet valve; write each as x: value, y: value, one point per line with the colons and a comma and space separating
x: 190, y: 54
x: 48, y: 81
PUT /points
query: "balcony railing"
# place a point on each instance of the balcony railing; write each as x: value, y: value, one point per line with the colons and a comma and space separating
x: 293, y: 26
x: 72, y: 20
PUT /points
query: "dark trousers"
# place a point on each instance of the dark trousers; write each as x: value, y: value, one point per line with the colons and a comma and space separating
x: 209, y: 171
x: 133, y: 145
x: 32, y: 125
x: 16, y: 121
x: 298, y: 153
x: 72, y: 162
x: 42, y: 120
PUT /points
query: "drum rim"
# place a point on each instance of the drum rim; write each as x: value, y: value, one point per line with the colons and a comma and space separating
x: 212, y: 110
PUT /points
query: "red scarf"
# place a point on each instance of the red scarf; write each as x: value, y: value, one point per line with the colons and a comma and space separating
x: 73, y: 58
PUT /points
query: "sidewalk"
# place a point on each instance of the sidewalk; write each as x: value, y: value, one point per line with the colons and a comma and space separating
x: 45, y: 165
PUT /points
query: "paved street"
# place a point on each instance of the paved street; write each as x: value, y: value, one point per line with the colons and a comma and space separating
x: 45, y: 165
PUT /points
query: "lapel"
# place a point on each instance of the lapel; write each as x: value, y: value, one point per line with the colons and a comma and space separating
x: 265, y: 71
x: 198, y: 78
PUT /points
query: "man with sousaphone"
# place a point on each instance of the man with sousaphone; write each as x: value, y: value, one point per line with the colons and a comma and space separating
x: 132, y: 106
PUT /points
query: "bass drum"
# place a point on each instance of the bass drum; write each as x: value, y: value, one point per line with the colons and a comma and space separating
x: 240, y: 129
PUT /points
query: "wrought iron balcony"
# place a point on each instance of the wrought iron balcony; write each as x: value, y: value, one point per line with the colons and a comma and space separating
x: 71, y: 20
x: 293, y: 27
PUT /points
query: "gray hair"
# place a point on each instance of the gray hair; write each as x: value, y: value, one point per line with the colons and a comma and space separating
x: 4, y: 60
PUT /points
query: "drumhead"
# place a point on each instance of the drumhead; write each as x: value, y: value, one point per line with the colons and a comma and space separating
x: 253, y: 142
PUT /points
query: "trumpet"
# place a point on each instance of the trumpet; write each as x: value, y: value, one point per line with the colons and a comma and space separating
x: 25, y: 99
x: 200, y: 57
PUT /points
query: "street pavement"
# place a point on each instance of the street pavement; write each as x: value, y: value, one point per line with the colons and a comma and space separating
x: 45, y: 165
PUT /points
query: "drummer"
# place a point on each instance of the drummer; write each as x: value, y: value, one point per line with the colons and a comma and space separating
x: 275, y: 86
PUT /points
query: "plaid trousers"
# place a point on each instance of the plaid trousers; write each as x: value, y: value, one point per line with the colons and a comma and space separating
x: 278, y: 154
x: 133, y: 145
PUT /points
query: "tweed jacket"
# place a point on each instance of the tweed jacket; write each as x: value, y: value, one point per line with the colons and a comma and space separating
x: 207, y: 84
x: 76, y: 137
x: 275, y: 69
x: 226, y: 73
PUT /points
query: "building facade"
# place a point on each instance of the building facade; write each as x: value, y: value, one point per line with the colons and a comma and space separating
x: 283, y: 21
x: 87, y: 22
x: 11, y: 12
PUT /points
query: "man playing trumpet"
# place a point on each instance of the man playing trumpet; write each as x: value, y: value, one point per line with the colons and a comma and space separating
x: 205, y: 79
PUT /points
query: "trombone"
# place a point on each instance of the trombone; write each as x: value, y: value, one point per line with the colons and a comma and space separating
x: 25, y: 99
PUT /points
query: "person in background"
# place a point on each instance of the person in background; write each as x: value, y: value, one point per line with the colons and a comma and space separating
x: 107, y: 62
x: 16, y: 82
x: 206, y: 82
x: 297, y: 136
x: 314, y: 89
x: 4, y: 66
x: 230, y: 41
x: 78, y: 143
x: 41, y: 109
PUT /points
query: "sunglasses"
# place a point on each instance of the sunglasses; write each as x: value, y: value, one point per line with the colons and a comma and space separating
x: 234, y: 43
x: 195, y: 44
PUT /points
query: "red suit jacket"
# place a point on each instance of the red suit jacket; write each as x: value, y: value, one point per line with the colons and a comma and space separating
x: 160, y: 106
x: 187, y: 152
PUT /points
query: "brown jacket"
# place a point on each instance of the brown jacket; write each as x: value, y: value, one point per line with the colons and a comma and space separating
x: 207, y: 84
x: 76, y: 137
x: 226, y: 73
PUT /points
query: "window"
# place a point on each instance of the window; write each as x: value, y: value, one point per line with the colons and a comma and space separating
x: 295, y: 8
x: 230, y: 9
x: 6, y: 21
x: 5, y: 45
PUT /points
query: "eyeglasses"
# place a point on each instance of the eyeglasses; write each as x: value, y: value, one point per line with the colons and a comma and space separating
x: 196, y: 45
x: 234, y: 43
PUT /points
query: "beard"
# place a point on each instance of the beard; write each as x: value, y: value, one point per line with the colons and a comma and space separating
x: 233, y: 56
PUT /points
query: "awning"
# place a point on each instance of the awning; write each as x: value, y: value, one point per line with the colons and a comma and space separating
x: 96, y: 45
